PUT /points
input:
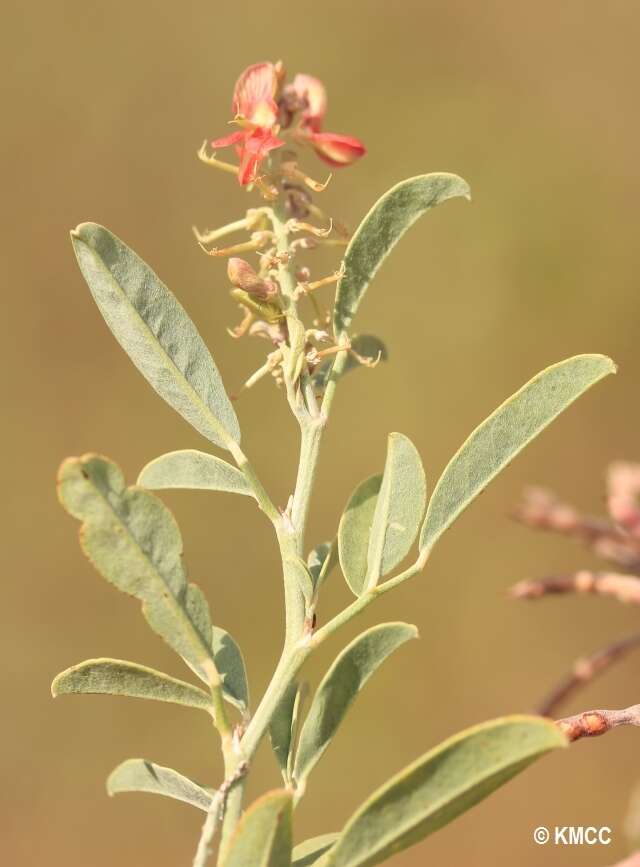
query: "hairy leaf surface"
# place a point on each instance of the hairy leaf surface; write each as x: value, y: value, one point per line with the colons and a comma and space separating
x: 156, y: 332
x: 230, y: 664
x: 354, y: 532
x: 438, y: 787
x: 263, y: 835
x: 134, y: 542
x: 494, y: 444
x: 339, y: 688
x: 190, y: 468
x: 139, y: 775
x: 120, y: 677
x: 399, y: 508
x: 380, y: 231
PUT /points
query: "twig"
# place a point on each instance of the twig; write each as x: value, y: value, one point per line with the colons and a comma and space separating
x: 624, y: 588
x: 592, y: 723
x: 585, y: 670
x: 542, y: 510
x: 215, y: 815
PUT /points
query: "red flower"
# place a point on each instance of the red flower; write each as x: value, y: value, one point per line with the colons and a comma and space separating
x: 337, y: 150
x: 255, y: 109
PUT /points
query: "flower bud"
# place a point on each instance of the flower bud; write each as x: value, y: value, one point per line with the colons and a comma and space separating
x: 243, y: 276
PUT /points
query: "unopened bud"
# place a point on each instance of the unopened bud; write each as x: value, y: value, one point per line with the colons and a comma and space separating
x: 243, y: 276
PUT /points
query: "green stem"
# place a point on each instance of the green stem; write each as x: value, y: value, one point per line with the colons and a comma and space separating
x: 291, y: 662
x: 312, y: 430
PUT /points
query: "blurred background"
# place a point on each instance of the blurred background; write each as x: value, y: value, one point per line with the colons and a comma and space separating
x: 105, y: 106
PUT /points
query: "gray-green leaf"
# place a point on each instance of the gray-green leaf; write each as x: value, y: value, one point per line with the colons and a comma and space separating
x: 354, y: 532
x: 399, y: 508
x: 307, y: 853
x: 120, y: 677
x: 321, y: 561
x: 263, y: 835
x: 139, y: 775
x: 230, y: 664
x: 284, y: 724
x: 380, y: 231
x: 438, y: 787
x: 494, y: 444
x: 340, y: 686
x: 134, y: 542
x: 156, y: 332
x: 190, y: 468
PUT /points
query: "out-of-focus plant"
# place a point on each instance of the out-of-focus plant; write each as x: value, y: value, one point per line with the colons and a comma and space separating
x: 134, y: 542
x: 616, y: 539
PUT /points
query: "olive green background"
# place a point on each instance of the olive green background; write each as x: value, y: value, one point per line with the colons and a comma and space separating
x: 105, y: 105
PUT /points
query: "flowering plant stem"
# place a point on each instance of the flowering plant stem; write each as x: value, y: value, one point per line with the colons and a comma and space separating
x: 134, y: 541
x: 290, y: 532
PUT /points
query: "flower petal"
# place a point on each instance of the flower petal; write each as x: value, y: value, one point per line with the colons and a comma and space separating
x: 227, y: 140
x: 311, y: 92
x: 253, y: 95
x: 337, y: 150
x: 255, y: 148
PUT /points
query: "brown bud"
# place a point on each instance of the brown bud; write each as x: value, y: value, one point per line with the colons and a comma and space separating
x: 243, y: 276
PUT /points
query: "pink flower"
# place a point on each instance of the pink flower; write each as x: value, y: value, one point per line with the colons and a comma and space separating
x: 337, y: 150
x: 255, y: 109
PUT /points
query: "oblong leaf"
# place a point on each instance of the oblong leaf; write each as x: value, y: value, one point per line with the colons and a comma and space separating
x: 139, y: 775
x: 354, y: 531
x: 494, y: 444
x: 307, y: 853
x: 263, y: 835
x: 121, y: 677
x: 230, y: 664
x: 399, y: 508
x: 195, y: 470
x: 438, y: 787
x: 156, y: 332
x: 380, y: 231
x: 133, y: 540
x: 339, y: 688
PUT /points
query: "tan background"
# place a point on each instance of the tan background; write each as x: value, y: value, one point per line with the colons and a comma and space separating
x: 105, y: 106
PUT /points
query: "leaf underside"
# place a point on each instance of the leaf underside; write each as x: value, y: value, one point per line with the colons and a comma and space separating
x: 120, y: 677
x: 195, y: 470
x: 156, y: 332
x: 140, y: 775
